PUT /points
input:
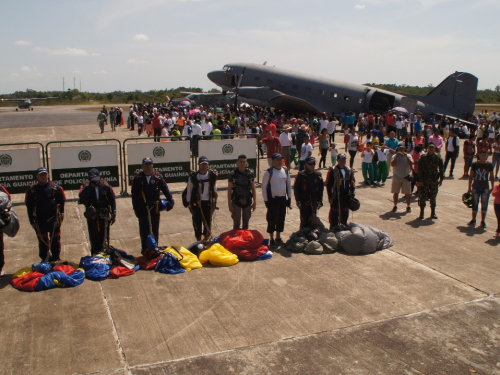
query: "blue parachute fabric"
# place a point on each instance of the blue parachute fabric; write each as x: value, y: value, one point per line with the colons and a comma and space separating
x: 151, y: 243
x: 41, y: 267
x: 96, y: 268
x: 267, y: 255
x: 47, y: 281
x: 216, y: 240
x: 169, y: 264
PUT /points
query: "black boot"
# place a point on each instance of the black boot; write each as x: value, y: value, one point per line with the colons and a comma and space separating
x: 421, y: 217
x: 433, y: 213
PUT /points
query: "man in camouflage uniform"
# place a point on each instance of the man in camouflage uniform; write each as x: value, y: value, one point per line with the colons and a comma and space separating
x: 430, y: 175
x: 308, y: 190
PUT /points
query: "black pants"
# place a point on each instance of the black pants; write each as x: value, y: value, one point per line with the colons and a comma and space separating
x: 54, y: 240
x: 334, y: 216
x: 306, y: 213
x: 332, y: 137
x: 351, y: 160
x: 276, y: 214
x: 198, y: 224
x: 157, y: 134
x: 450, y: 155
x: 96, y: 235
x: 324, y: 151
x: 2, y: 259
x: 144, y: 227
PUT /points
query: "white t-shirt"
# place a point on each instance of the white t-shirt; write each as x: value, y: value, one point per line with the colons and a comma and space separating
x: 305, y: 150
x: 399, y: 124
x: 280, y: 184
x: 196, y: 129
x: 367, y: 156
x: 285, y: 139
x: 449, y: 143
x: 491, y: 132
x: 334, y: 152
x: 323, y: 124
x: 352, y: 145
x: 382, y: 154
x: 331, y: 126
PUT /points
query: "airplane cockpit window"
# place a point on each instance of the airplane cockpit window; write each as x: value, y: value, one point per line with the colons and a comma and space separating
x: 227, y: 69
x: 347, y: 98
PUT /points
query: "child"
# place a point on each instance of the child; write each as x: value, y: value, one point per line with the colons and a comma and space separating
x: 367, y: 165
x: 333, y: 153
x: 346, y: 136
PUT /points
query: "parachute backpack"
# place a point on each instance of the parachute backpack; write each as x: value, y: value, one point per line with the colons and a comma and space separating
x: 468, y: 200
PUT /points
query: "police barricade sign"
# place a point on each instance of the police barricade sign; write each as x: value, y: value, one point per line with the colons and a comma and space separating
x: 69, y: 165
x: 223, y: 154
x: 171, y: 159
x: 18, y: 168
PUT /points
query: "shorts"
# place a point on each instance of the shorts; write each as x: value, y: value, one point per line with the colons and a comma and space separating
x: 400, y: 185
x: 468, y: 161
x: 334, y: 160
x: 346, y: 138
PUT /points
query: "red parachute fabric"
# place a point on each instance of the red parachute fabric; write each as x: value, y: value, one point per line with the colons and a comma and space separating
x: 245, y: 243
x: 28, y: 282
x: 147, y: 264
x: 66, y: 268
x: 119, y: 271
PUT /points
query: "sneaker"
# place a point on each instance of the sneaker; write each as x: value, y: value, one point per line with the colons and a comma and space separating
x: 496, y: 234
x: 279, y: 242
x: 408, y: 209
x: 472, y: 222
x: 272, y: 243
x: 483, y: 225
x: 367, y: 183
x: 382, y: 184
x: 395, y: 209
x: 451, y: 175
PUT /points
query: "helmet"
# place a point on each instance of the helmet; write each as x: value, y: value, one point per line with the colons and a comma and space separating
x: 468, y: 200
x: 163, y: 204
x: 354, y: 204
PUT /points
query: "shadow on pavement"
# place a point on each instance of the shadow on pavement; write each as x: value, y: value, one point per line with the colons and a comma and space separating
x: 5, y: 281
x: 470, y: 231
x: 416, y: 223
x: 492, y: 242
x: 393, y: 215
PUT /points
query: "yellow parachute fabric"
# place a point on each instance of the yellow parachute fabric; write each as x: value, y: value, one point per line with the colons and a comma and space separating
x: 186, y: 258
x: 218, y: 256
x: 22, y: 272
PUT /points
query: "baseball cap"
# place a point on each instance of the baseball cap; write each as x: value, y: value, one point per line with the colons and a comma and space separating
x: 342, y: 156
x: 431, y: 144
x: 94, y: 175
x: 147, y: 160
x: 277, y: 156
x: 42, y: 170
x: 203, y: 160
x: 311, y: 160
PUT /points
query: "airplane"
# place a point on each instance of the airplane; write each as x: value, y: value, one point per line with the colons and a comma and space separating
x: 288, y: 90
x: 26, y: 103
x: 208, y: 99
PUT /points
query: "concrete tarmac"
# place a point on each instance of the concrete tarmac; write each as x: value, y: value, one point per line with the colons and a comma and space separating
x: 428, y: 305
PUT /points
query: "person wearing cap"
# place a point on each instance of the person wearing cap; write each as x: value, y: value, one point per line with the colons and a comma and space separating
x: 45, y: 205
x: 241, y: 193
x: 340, y: 187
x: 146, y: 188
x: 102, y: 120
x: 308, y: 191
x: 277, y: 193
x: 201, y: 195
x: 430, y: 177
x: 98, y: 198
x: 286, y: 141
x: 402, y: 163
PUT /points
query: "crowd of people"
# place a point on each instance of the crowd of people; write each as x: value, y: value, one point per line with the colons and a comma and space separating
x: 396, y: 140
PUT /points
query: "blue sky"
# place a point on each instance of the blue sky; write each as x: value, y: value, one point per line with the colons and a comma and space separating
x: 150, y: 44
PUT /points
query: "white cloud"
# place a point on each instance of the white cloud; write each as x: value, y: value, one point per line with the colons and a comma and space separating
x: 134, y: 61
x: 76, y: 72
x: 22, y: 43
x: 68, y: 51
x: 25, y: 68
x: 95, y: 54
x: 140, y: 37
x: 101, y: 72
x: 360, y: 6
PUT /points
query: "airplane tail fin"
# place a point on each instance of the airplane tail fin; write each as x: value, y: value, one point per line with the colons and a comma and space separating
x: 457, y: 93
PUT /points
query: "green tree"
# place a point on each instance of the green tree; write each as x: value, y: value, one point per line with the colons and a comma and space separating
x: 109, y: 96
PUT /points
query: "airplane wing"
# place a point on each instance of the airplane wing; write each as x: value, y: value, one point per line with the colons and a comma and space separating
x: 278, y: 99
x: 50, y: 97
x: 13, y: 100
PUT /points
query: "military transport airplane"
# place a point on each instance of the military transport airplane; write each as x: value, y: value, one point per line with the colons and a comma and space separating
x: 284, y: 89
x: 26, y: 103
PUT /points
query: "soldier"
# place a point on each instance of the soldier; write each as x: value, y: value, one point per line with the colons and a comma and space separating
x: 102, y: 119
x: 241, y: 193
x: 146, y: 189
x: 100, y: 210
x: 308, y: 191
x: 340, y: 187
x: 430, y: 176
x: 112, y: 118
x: 2, y: 223
x: 201, y: 195
x: 45, y: 204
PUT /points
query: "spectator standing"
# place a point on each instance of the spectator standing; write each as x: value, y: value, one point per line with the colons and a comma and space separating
x: 402, y: 163
x: 452, y: 151
x: 286, y: 142
x: 481, y: 174
x: 273, y: 146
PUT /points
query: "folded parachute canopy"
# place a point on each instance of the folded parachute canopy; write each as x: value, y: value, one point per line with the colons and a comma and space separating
x: 111, y: 265
x: 246, y: 244
x: 43, y: 276
x: 218, y: 256
x: 185, y: 258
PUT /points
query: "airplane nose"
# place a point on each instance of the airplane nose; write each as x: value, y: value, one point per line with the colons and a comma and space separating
x: 217, y: 77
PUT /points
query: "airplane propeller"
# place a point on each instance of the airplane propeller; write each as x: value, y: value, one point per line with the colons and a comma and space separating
x: 237, y: 87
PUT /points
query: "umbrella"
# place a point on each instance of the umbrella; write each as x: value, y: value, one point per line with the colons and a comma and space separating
x: 399, y: 109
x: 186, y: 103
x: 244, y: 105
x: 193, y: 112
